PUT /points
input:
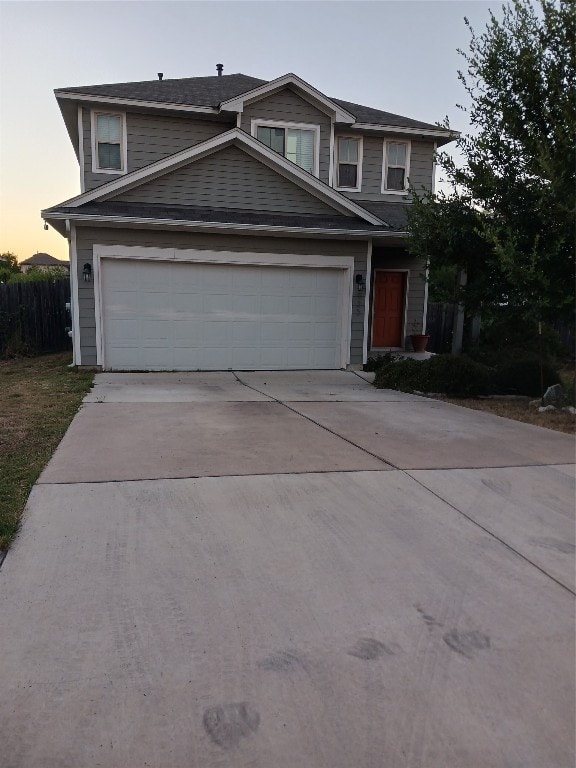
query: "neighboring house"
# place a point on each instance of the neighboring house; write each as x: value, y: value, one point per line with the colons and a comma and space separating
x: 228, y: 222
x: 43, y: 262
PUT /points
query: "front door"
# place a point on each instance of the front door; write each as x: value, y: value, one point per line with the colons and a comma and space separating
x: 388, y: 315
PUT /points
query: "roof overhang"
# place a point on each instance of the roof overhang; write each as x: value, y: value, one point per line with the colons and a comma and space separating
x: 339, y: 114
x: 60, y: 221
x: 249, y: 144
x: 442, y: 135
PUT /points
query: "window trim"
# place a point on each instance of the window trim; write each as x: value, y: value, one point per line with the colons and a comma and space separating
x: 256, y: 122
x: 123, y: 143
x: 384, y: 189
x: 360, y: 140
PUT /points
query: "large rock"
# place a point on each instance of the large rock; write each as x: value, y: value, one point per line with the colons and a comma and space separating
x: 555, y: 396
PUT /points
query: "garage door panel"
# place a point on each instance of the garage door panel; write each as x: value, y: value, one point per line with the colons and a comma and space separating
x: 188, y: 316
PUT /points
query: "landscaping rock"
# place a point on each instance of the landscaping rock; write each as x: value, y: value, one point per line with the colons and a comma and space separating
x: 570, y: 409
x: 555, y: 395
x: 546, y: 408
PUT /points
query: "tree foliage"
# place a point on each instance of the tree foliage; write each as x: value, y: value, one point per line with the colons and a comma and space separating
x: 8, y: 266
x: 509, y: 218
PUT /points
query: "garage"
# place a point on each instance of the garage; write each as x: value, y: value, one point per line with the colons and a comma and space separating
x: 196, y: 315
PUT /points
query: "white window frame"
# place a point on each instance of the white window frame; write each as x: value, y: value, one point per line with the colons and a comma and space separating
x: 385, y: 190
x: 256, y: 122
x: 360, y: 140
x: 123, y: 143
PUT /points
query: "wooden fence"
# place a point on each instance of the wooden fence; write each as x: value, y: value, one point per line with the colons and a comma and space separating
x: 439, y: 326
x: 33, y: 317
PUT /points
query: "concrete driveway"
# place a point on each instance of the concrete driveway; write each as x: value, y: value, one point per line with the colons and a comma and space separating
x: 291, y: 569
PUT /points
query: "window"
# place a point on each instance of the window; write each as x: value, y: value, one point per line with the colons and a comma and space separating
x: 349, y: 163
x: 109, y: 149
x: 396, y: 165
x: 291, y: 140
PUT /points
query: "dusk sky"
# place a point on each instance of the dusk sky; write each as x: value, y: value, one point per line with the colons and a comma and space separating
x: 396, y: 56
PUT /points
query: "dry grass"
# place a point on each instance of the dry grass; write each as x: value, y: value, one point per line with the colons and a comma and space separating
x: 38, y: 399
x: 519, y: 410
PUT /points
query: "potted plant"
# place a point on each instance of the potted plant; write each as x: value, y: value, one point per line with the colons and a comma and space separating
x: 419, y: 340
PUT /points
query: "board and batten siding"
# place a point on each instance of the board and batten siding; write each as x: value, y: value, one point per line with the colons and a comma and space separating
x: 150, y: 138
x: 397, y: 259
x: 421, y: 168
x: 87, y: 237
x: 287, y: 106
x: 228, y: 178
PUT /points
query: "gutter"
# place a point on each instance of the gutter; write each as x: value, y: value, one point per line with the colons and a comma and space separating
x: 227, y: 226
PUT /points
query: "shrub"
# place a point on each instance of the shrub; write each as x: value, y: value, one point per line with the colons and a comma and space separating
x: 505, y: 339
x: 456, y: 375
x: 373, y: 363
x: 522, y: 377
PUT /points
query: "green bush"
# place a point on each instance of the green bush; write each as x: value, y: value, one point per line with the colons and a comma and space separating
x: 460, y: 376
x: 455, y: 375
x: 522, y: 377
x: 505, y: 339
x: 373, y: 363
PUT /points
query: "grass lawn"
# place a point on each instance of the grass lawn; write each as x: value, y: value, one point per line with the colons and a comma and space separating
x: 38, y: 399
x: 520, y: 411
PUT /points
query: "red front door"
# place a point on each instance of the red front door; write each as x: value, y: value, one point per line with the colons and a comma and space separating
x: 388, y: 316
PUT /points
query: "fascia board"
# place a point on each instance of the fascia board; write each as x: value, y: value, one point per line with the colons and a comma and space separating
x: 272, y: 159
x: 121, y: 101
x: 237, y: 103
x: 405, y: 129
x: 215, y: 225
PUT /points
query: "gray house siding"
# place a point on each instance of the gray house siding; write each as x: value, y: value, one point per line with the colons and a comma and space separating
x: 288, y: 106
x: 228, y: 178
x: 421, y: 165
x: 398, y: 259
x: 149, y: 138
x: 87, y: 237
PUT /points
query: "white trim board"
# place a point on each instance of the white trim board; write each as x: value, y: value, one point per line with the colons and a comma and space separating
x: 404, y: 322
x: 236, y: 104
x: 122, y: 101
x: 192, y: 256
x: 123, y: 143
x: 360, y: 140
x: 81, y: 147
x: 400, y: 129
x: 75, y: 297
x: 383, y: 188
x: 255, y: 122
x: 136, y: 221
x: 240, y: 138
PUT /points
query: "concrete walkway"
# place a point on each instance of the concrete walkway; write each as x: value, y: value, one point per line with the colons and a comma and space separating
x: 291, y: 569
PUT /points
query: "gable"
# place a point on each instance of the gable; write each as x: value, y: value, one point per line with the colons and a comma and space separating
x: 227, y: 178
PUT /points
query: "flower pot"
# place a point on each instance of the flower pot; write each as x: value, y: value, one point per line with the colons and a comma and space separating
x: 419, y: 342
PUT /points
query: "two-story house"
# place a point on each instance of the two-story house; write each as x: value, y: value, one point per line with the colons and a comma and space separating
x: 228, y: 222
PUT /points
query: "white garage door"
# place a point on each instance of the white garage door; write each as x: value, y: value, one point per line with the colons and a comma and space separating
x: 191, y: 316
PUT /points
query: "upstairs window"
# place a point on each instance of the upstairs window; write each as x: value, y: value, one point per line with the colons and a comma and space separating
x: 349, y: 163
x: 396, y: 164
x: 109, y: 147
x: 293, y: 141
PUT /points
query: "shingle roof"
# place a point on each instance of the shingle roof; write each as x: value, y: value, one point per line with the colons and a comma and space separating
x: 44, y: 260
x: 220, y: 215
x: 394, y: 214
x: 193, y: 91
x: 212, y: 91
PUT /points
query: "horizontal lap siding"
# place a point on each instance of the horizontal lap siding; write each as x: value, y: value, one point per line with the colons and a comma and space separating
x: 421, y: 165
x: 86, y: 238
x: 150, y: 138
x: 229, y: 178
x: 288, y: 106
x: 421, y: 162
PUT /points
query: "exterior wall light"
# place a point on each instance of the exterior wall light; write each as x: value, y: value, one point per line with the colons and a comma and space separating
x: 87, y: 273
x: 359, y: 282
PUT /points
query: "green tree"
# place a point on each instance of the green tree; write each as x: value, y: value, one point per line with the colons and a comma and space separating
x: 8, y: 266
x: 509, y: 218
